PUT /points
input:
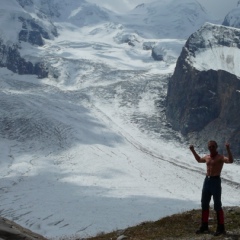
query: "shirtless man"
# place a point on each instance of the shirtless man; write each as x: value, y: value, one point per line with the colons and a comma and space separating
x: 212, y: 185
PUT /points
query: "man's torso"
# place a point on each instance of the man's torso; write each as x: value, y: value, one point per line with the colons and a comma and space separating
x: 214, y: 165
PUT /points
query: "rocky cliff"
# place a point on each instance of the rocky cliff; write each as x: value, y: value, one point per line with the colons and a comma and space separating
x: 203, y: 99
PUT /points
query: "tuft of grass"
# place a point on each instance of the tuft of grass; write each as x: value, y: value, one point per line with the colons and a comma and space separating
x: 180, y: 226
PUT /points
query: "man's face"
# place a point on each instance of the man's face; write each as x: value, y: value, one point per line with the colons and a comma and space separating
x: 212, y: 146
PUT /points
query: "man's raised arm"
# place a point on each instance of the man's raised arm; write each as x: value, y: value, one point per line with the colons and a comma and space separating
x: 228, y: 159
x: 197, y: 157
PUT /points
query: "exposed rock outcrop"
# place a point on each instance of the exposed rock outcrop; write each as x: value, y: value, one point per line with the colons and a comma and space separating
x: 157, y: 54
x: 12, y: 60
x: 33, y: 33
x: 203, y: 101
x: 12, y: 231
x: 167, y: 51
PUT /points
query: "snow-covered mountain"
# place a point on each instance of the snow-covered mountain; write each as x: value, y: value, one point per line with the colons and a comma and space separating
x: 37, y: 21
x: 20, y: 30
x: 167, y: 19
x: 77, y: 12
x: 218, y: 48
x: 18, y: 24
x: 86, y: 147
x: 232, y: 19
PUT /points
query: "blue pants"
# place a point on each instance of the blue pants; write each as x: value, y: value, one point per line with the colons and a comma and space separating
x: 212, y: 187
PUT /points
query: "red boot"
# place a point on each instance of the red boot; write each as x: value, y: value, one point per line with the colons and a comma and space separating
x: 220, y: 227
x: 204, y: 226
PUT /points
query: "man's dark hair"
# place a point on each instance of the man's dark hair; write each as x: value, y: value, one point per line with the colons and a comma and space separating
x: 213, y: 142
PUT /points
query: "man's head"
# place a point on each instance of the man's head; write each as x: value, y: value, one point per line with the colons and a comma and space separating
x: 212, y: 146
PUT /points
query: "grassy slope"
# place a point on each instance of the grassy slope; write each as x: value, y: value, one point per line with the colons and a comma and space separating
x: 179, y: 226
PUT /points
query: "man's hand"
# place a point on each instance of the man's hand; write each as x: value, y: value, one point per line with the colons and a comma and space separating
x: 191, y: 147
x: 229, y: 159
x: 197, y: 157
x: 227, y: 146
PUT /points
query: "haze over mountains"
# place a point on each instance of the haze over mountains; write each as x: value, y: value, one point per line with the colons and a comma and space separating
x: 84, y: 142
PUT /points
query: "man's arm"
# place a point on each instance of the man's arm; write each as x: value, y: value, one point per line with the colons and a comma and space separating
x: 228, y: 159
x: 197, y: 157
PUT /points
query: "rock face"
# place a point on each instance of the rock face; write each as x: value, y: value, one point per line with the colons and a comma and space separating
x: 157, y: 54
x: 32, y: 32
x: 12, y: 231
x: 12, y: 60
x: 204, y: 104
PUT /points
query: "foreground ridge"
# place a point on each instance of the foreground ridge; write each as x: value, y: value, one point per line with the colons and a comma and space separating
x: 179, y: 226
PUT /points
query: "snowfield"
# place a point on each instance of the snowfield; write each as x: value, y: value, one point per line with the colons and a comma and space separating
x: 88, y: 149
x: 217, y: 56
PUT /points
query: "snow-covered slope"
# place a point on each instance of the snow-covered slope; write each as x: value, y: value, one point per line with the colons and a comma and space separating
x: 32, y: 20
x: 232, y: 19
x: 218, y: 49
x: 168, y: 19
x: 77, y: 12
x: 15, y: 18
x: 96, y: 158
x: 20, y: 31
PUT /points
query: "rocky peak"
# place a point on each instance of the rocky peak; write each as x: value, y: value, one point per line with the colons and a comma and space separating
x: 214, y: 47
x: 203, y: 99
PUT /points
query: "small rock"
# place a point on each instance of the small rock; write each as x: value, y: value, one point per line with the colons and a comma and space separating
x: 122, y: 237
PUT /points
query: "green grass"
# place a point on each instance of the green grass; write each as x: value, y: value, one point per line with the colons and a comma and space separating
x: 179, y: 226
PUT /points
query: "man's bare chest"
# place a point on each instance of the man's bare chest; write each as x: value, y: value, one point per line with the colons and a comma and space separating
x: 214, y: 162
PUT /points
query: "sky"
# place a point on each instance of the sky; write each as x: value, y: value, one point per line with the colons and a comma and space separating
x: 218, y: 7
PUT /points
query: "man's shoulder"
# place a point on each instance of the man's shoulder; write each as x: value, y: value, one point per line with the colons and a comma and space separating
x: 220, y: 156
x: 216, y: 157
